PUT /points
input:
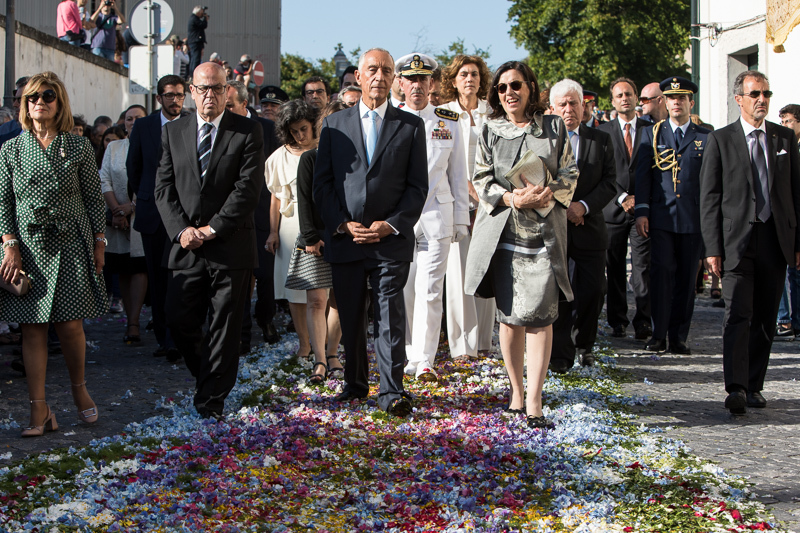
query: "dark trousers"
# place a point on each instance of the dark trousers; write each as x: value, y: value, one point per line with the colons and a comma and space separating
x: 576, y: 326
x: 752, y: 292
x: 675, y: 259
x: 156, y: 249
x: 617, y: 272
x: 195, y: 57
x: 265, y: 291
x: 387, y: 279
x: 203, y: 292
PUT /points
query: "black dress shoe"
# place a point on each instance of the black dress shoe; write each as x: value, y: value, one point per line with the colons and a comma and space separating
x: 643, y: 331
x: 559, y: 366
x: 271, y: 335
x: 160, y: 351
x: 173, y: 355
x: 679, y: 348
x: 585, y: 358
x: 618, y: 331
x: 755, y: 399
x: 736, y: 403
x: 348, y: 396
x: 656, y: 345
x: 208, y: 413
x: 400, y: 407
x: 539, y: 422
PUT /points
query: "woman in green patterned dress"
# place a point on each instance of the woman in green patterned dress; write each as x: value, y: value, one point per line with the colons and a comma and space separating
x: 52, y: 219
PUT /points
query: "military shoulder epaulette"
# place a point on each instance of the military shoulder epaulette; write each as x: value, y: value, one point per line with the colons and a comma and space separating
x: 446, y: 113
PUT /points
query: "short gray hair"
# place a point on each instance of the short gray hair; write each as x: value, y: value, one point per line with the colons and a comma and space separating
x: 563, y: 87
x: 350, y: 88
x: 364, y: 55
x: 241, y: 90
x: 738, y: 84
x: 6, y: 114
x: 196, y: 10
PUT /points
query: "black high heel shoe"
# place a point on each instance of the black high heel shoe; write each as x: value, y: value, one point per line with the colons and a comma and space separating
x: 130, y: 340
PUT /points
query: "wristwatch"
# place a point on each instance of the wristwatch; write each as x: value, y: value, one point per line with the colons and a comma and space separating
x: 101, y: 239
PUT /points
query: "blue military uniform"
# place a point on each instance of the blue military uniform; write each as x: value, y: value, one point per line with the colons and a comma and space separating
x: 668, y: 194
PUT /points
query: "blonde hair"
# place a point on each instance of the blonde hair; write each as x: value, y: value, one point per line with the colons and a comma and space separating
x: 63, y: 121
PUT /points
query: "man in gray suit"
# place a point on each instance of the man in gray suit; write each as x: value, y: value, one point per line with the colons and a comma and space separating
x: 370, y: 182
x: 750, y: 215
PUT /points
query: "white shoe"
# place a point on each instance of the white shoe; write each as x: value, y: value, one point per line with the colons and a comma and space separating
x: 426, y: 373
x: 115, y: 306
x: 410, y: 369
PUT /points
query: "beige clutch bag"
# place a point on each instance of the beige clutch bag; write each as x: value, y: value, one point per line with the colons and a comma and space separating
x: 20, y: 288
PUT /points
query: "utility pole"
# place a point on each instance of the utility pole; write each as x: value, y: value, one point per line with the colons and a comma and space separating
x: 11, y: 54
x: 695, y: 39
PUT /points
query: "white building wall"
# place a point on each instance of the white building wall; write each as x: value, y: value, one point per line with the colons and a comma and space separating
x: 93, y: 89
x: 723, y: 59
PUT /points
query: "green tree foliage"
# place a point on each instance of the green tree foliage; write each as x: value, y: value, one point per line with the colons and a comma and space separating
x: 597, y: 41
x: 296, y: 69
x: 457, y: 47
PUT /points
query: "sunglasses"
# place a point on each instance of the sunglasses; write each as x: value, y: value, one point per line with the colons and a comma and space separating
x: 515, y: 85
x: 756, y: 94
x: 48, y: 97
x: 648, y: 99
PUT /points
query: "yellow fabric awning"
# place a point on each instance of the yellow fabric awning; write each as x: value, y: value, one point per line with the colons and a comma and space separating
x: 782, y: 17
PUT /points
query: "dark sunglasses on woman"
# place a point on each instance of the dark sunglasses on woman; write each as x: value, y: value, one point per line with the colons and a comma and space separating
x: 515, y: 85
x: 48, y: 96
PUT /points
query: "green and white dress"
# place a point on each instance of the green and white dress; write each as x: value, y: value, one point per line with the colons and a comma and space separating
x: 50, y: 199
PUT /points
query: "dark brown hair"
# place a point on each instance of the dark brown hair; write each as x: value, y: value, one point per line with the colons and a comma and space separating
x: 449, y: 73
x: 534, y: 103
x: 623, y: 80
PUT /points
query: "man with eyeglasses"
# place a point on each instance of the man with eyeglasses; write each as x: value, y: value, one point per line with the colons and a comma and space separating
x: 652, y: 102
x: 316, y: 92
x: 750, y: 220
x: 264, y: 274
x: 12, y: 128
x: 208, y: 185
x: 789, y: 310
x: 667, y: 211
x: 144, y: 155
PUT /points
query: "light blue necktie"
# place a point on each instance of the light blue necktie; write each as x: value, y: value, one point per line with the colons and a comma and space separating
x: 372, y: 135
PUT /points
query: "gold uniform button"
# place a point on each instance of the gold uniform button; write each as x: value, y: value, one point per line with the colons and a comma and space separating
x: 677, y: 196
x: 679, y: 155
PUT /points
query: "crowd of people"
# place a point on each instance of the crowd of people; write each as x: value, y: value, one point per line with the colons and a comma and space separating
x: 418, y: 196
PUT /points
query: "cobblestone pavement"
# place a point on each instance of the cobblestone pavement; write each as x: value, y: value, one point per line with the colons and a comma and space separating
x: 686, y: 391
x: 687, y: 395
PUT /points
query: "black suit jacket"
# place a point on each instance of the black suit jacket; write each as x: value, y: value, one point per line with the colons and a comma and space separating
x: 197, y: 30
x: 727, y: 198
x: 625, y: 167
x: 225, y: 200
x: 270, y: 145
x: 144, y: 155
x: 392, y: 188
x: 596, y: 187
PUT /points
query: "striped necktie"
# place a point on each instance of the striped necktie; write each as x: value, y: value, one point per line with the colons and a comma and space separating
x: 204, y: 149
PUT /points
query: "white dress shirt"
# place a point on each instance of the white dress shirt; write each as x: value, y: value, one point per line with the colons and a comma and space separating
x: 214, y: 130
x: 748, y: 129
x: 363, y: 112
x: 683, y: 127
x: 633, y: 140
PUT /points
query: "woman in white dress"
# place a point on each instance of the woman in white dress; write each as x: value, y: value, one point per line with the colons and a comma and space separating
x: 297, y: 132
x: 470, y: 320
x: 124, y: 253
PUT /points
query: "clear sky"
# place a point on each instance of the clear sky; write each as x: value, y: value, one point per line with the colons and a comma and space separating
x: 312, y: 28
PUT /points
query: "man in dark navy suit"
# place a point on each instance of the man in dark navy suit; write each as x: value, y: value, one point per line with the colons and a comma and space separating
x: 668, y: 211
x: 626, y: 132
x: 371, y: 182
x: 144, y: 155
x: 576, y: 326
x: 265, y: 290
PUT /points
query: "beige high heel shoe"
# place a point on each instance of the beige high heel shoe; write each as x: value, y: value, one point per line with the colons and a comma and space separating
x: 48, y: 424
x: 87, y: 415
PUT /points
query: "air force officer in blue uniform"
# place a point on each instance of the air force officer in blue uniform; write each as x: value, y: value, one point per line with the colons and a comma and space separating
x: 668, y: 211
